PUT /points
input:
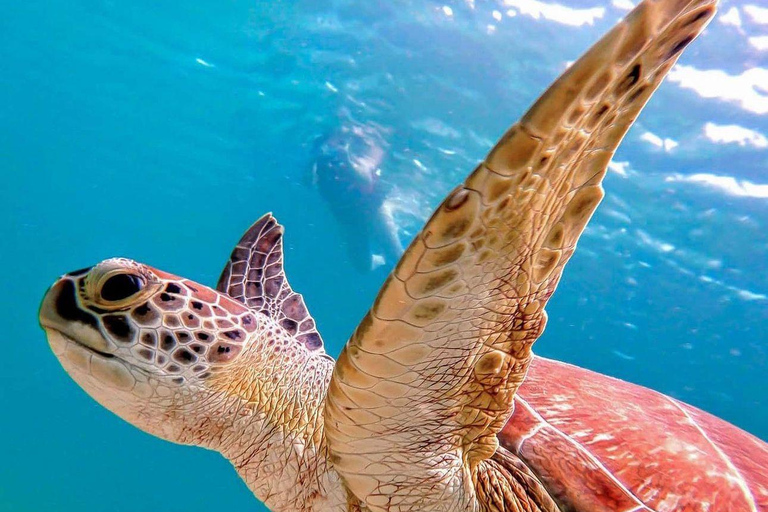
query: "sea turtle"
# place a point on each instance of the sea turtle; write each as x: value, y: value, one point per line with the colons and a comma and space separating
x: 424, y: 410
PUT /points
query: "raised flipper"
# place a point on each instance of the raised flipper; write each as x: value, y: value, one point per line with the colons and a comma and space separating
x: 428, y: 378
x: 255, y: 276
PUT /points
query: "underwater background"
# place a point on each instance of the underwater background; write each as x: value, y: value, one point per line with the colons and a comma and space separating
x: 161, y: 130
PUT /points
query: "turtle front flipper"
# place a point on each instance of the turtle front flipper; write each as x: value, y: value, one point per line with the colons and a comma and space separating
x: 255, y: 276
x: 429, y: 376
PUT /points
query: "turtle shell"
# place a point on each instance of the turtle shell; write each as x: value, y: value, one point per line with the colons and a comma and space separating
x: 601, y: 444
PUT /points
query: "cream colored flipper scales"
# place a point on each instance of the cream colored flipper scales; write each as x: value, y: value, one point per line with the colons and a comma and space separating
x: 428, y: 378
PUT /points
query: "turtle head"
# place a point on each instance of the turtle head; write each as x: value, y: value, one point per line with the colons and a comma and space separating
x: 146, y: 344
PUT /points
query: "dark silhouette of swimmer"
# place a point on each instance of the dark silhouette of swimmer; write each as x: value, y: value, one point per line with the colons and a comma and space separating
x: 347, y: 171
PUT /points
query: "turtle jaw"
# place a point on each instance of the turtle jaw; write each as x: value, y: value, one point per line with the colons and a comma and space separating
x: 90, y: 368
x: 115, y: 384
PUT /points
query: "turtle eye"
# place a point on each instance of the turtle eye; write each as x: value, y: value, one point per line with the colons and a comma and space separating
x: 121, y: 286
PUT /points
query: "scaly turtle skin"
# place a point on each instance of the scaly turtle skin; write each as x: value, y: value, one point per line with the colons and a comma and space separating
x: 436, y: 403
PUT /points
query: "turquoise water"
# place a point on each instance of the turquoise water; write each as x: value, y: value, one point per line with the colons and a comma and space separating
x: 160, y: 130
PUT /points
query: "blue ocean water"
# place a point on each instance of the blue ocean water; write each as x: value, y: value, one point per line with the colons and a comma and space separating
x: 160, y: 130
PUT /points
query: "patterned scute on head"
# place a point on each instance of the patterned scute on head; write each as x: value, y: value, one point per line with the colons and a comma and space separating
x: 255, y: 276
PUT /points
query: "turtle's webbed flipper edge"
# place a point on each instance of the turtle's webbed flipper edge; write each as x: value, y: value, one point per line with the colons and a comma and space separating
x: 254, y: 275
x: 429, y: 376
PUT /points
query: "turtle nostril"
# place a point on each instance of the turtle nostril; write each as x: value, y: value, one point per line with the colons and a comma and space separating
x: 66, y: 304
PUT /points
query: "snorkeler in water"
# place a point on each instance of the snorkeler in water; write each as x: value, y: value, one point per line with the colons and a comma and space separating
x: 346, y: 169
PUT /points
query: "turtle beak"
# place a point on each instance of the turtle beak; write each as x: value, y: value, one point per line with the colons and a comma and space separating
x: 48, y: 317
x: 61, y: 313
